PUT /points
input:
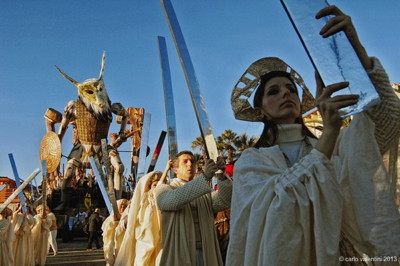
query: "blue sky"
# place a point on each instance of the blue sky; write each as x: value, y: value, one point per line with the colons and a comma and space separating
x: 223, y: 38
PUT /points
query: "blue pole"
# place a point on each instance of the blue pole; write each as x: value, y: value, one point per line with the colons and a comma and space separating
x: 17, y: 181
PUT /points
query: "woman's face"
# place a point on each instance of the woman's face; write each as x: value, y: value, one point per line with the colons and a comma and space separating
x: 280, y: 101
x: 122, y: 208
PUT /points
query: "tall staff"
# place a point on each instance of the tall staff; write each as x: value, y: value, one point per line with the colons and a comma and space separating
x: 17, y: 181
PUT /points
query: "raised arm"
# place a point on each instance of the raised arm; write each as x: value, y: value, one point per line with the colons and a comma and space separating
x: 386, y: 115
x: 69, y: 115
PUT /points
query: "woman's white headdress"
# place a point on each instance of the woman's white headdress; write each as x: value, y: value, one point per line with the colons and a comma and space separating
x: 249, y: 81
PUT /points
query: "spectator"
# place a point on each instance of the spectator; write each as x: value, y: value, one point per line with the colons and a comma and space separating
x: 94, y: 228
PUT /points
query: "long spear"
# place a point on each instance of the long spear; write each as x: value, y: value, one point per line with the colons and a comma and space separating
x: 19, y: 189
x: 44, y: 187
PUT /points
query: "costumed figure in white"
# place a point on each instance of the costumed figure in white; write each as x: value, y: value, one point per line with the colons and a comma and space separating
x: 53, y: 232
x: 141, y: 244
x: 6, y: 238
x: 109, y: 229
x: 22, y: 244
x: 40, y: 233
x: 120, y: 230
x: 92, y: 116
x: 298, y: 200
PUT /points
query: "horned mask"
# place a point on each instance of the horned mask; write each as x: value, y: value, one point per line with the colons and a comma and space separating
x: 93, y: 92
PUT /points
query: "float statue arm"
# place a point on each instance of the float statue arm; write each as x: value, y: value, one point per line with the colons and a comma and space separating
x: 118, y: 109
x: 69, y: 115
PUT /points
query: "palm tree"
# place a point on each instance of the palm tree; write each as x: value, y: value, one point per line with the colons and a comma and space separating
x: 199, y: 162
x: 226, y: 142
x: 243, y: 141
x: 199, y: 143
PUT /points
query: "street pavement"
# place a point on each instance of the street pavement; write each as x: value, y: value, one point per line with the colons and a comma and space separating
x: 74, y: 253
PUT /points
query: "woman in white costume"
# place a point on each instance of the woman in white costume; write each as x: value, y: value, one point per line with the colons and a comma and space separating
x: 22, y: 244
x: 298, y: 200
x: 141, y: 244
x: 108, y: 227
x: 6, y: 238
x: 121, y: 229
x: 40, y: 233
x: 53, y: 231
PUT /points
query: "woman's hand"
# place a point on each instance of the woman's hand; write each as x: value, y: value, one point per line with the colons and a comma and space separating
x: 342, y: 22
x: 328, y: 106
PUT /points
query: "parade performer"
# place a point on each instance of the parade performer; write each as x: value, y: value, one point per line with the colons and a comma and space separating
x: 108, y: 227
x: 141, y: 244
x: 53, y: 232
x: 121, y: 229
x: 298, y: 200
x: 22, y: 244
x: 40, y: 233
x: 92, y: 115
x: 6, y: 238
x: 188, y: 205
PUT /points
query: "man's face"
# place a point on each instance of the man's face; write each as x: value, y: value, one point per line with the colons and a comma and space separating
x: 186, y: 167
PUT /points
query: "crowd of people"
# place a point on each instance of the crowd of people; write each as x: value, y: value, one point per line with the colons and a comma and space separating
x: 294, y: 199
x: 25, y: 237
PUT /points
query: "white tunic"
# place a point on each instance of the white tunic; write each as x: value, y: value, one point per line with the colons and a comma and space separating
x: 294, y: 215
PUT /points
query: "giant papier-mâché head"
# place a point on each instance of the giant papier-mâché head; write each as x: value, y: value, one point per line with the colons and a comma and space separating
x: 93, y: 93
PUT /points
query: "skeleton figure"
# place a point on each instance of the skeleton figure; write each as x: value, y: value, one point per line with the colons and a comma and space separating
x: 91, y: 115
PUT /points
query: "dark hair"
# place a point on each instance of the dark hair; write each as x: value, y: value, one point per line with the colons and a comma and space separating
x: 270, y: 133
x: 175, y: 160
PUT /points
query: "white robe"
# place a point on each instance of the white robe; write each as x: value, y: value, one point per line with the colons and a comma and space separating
x: 294, y: 216
x: 108, y: 228
x: 6, y: 238
x: 142, y: 239
x: 40, y: 233
x: 111, y: 237
x: 22, y: 245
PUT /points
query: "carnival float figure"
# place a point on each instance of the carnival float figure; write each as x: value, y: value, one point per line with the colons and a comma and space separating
x: 91, y: 116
